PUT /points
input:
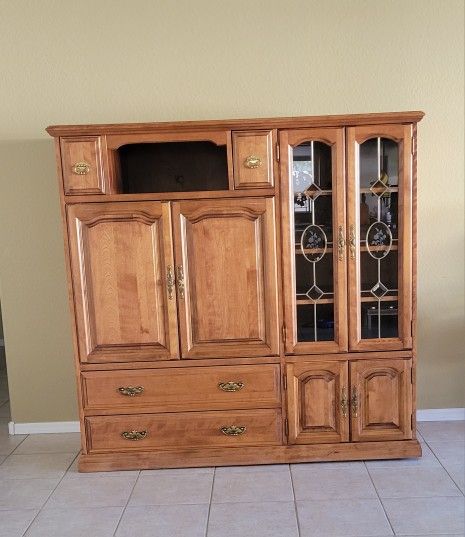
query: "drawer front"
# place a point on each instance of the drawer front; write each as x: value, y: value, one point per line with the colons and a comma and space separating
x: 144, y: 432
x: 83, y: 165
x: 253, y: 159
x: 174, y: 389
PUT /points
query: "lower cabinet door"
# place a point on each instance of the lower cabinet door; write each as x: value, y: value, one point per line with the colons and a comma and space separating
x: 318, y: 405
x: 381, y: 399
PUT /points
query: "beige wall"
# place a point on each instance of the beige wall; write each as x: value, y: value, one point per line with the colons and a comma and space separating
x: 115, y: 61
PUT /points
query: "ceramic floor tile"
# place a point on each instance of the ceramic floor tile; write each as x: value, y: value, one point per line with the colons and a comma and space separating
x: 9, y: 443
x: 267, y: 519
x: 164, y: 521
x: 25, y: 493
x: 256, y: 469
x: 15, y: 522
x: 50, y: 443
x: 427, y: 459
x: 415, y: 516
x: 442, y: 431
x: 44, y: 465
x: 326, y: 465
x: 413, y: 482
x: 346, y: 518
x: 2, y: 458
x: 73, y: 472
x: 457, y: 473
x: 179, y: 471
x: 449, y: 452
x: 327, y: 484
x: 91, y: 492
x: 172, y: 489
x: 74, y: 522
x: 272, y: 486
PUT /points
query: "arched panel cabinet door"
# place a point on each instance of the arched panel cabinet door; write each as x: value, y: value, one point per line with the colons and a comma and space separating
x: 123, y: 281
x: 379, y: 164
x: 226, y: 277
x: 381, y: 400
x: 314, y: 240
x: 318, y: 402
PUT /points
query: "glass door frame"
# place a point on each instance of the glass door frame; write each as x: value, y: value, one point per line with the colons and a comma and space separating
x: 288, y: 139
x: 401, y: 134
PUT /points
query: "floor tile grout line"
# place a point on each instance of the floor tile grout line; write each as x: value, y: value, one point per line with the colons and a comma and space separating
x: 210, y: 503
x: 127, y: 503
x: 442, y: 466
x: 16, y: 447
x: 48, y: 497
x: 295, y: 502
x: 379, y: 498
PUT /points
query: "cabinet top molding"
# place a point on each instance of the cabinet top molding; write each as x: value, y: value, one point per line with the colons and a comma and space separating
x: 345, y: 120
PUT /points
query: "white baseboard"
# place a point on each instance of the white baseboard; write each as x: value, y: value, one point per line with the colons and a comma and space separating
x: 430, y: 414
x: 43, y: 427
x: 441, y: 414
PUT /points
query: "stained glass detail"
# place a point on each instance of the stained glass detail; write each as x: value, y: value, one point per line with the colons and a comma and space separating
x: 313, y: 191
x: 378, y: 240
x: 379, y: 187
x: 314, y: 293
x: 379, y: 290
x: 313, y: 243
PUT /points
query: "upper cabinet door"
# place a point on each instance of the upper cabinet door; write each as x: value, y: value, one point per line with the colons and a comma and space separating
x: 380, y: 237
x: 226, y: 277
x: 314, y: 250
x: 123, y: 281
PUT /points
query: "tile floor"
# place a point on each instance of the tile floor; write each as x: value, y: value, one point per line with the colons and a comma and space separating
x: 42, y: 494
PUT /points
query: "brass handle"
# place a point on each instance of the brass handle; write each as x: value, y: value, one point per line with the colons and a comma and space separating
x: 233, y: 430
x: 231, y: 386
x: 341, y: 243
x: 131, y: 391
x: 352, y: 241
x: 180, y: 277
x: 354, y: 402
x: 81, y: 168
x: 252, y: 161
x: 344, y: 403
x: 170, y: 281
x: 134, y: 435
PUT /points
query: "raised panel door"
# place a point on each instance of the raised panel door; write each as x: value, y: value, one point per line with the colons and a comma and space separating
x: 226, y: 277
x: 318, y: 402
x: 381, y: 399
x: 123, y: 281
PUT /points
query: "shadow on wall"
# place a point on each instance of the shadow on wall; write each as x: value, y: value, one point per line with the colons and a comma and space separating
x: 33, y: 285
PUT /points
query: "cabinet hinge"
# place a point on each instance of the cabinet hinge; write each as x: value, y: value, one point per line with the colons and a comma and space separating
x: 283, y: 333
x: 285, y: 382
x: 277, y: 152
x: 286, y: 427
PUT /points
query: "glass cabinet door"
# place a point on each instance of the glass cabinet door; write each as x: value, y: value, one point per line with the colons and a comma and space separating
x: 314, y: 253
x: 379, y: 210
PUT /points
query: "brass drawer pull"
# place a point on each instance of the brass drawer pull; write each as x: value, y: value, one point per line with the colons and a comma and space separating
x: 134, y: 435
x: 344, y: 403
x: 355, y: 402
x: 170, y: 281
x: 352, y: 241
x: 231, y: 386
x: 180, y: 277
x: 341, y: 243
x: 81, y: 168
x: 233, y: 430
x: 131, y: 391
x: 252, y: 161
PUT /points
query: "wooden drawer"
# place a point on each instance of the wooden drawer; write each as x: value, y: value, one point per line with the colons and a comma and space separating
x: 83, y: 161
x: 183, y: 388
x: 253, y: 159
x: 188, y: 429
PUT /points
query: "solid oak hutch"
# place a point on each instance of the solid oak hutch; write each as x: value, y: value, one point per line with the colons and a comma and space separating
x: 242, y: 291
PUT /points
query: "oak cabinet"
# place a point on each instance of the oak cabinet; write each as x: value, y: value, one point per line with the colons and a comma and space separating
x: 242, y: 291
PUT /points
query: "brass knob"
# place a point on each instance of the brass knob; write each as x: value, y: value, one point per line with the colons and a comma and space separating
x: 180, y: 277
x: 355, y: 402
x: 233, y: 430
x: 344, y: 403
x: 170, y: 281
x: 352, y: 241
x: 81, y: 168
x: 131, y: 391
x: 341, y: 243
x: 252, y: 161
x: 134, y: 435
x: 231, y: 386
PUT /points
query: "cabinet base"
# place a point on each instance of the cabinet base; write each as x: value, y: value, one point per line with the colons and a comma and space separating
x: 181, y: 458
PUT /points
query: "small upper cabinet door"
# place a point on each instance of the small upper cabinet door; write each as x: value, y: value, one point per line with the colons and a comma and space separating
x: 123, y: 281
x: 84, y: 165
x: 381, y: 399
x: 314, y: 247
x: 318, y: 406
x: 379, y: 163
x: 226, y: 277
x: 253, y: 158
